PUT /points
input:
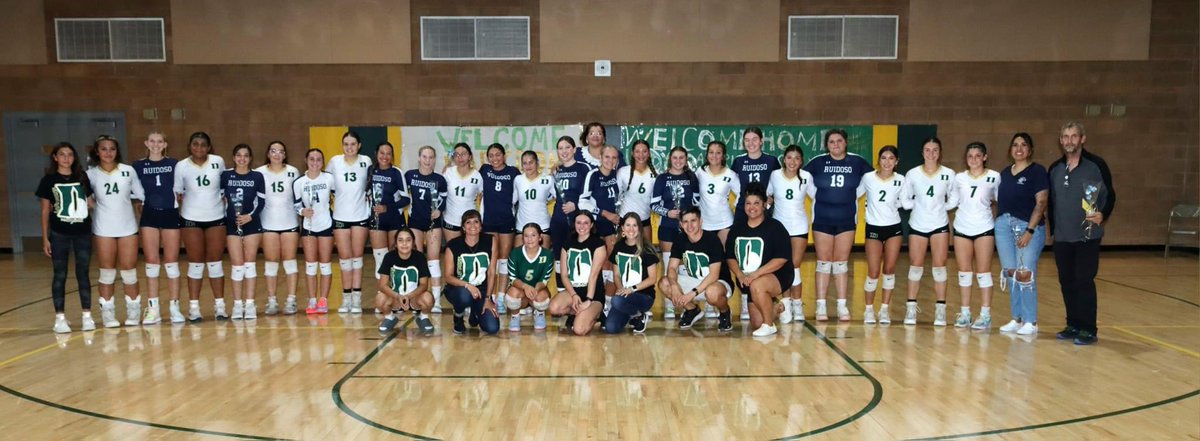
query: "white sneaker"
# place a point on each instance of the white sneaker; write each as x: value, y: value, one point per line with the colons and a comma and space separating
x: 539, y: 320
x: 61, y: 326
x: 356, y: 302
x: 347, y: 300
x: 746, y: 309
x: 1028, y: 329
x: 910, y: 313
x: 939, y: 315
x: 194, y: 313
x: 709, y: 311
x: 822, y: 311
x: 843, y: 313
x: 437, y: 307
x: 108, y: 316
x: 514, y: 323
x: 1011, y: 326
x: 884, y: 317
x: 133, y: 312
x: 962, y: 320
x: 669, y: 310
x: 764, y: 330
x: 527, y: 311
x: 272, y: 306
x: 983, y: 323
x: 86, y: 323
x: 151, y: 317
x: 869, y: 317
x: 219, y: 310
x: 786, y: 316
x: 249, y: 311
x: 238, y: 310
x: 289, y: 306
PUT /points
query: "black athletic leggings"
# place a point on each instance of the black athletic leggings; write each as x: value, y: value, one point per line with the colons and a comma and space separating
x: 61, y: 247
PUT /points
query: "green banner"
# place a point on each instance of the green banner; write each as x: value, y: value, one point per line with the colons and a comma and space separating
x: 775, y: 139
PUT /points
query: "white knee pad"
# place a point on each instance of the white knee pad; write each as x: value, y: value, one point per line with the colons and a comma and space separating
x: 356, y: 263
x: 346, y: 265
x: 964, y: 278
x: 152, y: 270
x: 172, y: 270
x: 512, y: 303
x: 214, y: 270
x: 607, y: 275
x: 502, y: 267
x: 796, y: 277
x: 237, y: 273
x: 939, y: 274
x: 840, y: 267
x: 984, y: 279
x: 915, y: 273
x: 435, y: 269
x: 251, y: 270
x: 271, y: 269
x: 108, y: 276
x: 310, y: 268
x: 824, y: 267
x: 889, y: 281
x: 195, y: 270
x: 379, y: 254
x: 290, y: 267
x: 542, y: 305
x: 129, y: 276
x: 870, y: 285
x: 326, y: 268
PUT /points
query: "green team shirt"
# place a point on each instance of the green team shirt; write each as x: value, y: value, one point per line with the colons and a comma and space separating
x: 530, y: 271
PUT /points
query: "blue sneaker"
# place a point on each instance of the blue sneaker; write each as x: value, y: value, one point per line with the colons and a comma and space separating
x: 424, y: 324
x: 389, y: 324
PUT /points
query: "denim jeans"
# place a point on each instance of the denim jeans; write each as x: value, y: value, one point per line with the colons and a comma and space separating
x: 1023, y: 300
x: 461, y: 299
x: 623, y: 308
x: 61, y: 247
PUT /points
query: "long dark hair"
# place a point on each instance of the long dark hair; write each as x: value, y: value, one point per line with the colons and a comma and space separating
x: 94, y: 150
x: 76, y: 169
x: 643, y: 245
x: 267, y: 154
x: 723, y: 150
x: 633, y: 163
x: 574, y: 216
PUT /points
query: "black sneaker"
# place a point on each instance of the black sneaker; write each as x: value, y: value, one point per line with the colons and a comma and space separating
x: 388, y: 325
x: 425, y: 325
x: 638, y: 323
x: 459, y: 326
x: 570, y: 322
x: 472, y: 319
x: 725, y: 321
x: 1067, y: 333
x: 690, y: 317
x: 1084, y: 338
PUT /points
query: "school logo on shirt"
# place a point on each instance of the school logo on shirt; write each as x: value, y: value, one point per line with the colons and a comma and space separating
x: 472, y: 267
x: 749, y: 251
x: 579, y: 266
x: 405, y: 279
x: 696, y: 264
x: 70, y: 206
x: 629, y: 266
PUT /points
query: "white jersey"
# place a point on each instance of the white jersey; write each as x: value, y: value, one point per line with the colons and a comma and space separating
x: 883, y: 198
x: 533, y: 200
x: 463, y: 190
x: 714, y: 197
x: 279, y: 213
x: 351, y: 188
x: 200, y: 185
x: 315, y: 194
x: 114, y: 192
x: 789, y: 194
x: 975, y: 198
x: 932, y: 196
x: 635, y: 193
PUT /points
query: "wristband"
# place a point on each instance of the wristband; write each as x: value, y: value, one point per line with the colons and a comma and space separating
x: 1030, y: 231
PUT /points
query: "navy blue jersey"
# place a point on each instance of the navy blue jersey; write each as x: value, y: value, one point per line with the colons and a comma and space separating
x: 600, y: 193
x: 673, y: 192
x: 752, y: 171
x: 498, y: 198
x: 581, y: 155
x: 836, y: 183
x: 426, y: 191
x: 388, y: 189
x: 568, y: 187
x: 158, y: 179
x: 244, y: 194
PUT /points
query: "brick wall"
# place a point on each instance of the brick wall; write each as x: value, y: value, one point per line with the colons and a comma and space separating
x: 1152, y: 150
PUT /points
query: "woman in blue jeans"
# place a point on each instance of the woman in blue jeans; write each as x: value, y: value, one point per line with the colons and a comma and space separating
x: 66, y: 200
x: 468, y: 269
x: 636, y: 264
x: 1020, y: 230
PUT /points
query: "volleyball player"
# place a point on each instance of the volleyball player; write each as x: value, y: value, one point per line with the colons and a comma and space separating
x: 499, y: 220
x: 467, y: 263
x: 351, y: 174
x: 245, y: 198
x: 313, y: 191
x: 787, y: 188
x: 114, y: 229
x: 674, y: 192
x: 635, y: 184
x: 754, y: 166
x: 975, y: 235
x: 534, y: 190
x: 697, y: 272
x: 932, y: 188
x: 159, y: 226
x: 580, y: 297
x: 884, y: 190
x: 198, y: 186
x: 281, y: 227
x: 67, y: 229
x: 529, y: 269
x: 388, y: 199
x: 600, y: 196
x: 569, y: 180
x: 404, y: 284
x: 758, y: 252
x: 427, y: 189
x: 637, y: 267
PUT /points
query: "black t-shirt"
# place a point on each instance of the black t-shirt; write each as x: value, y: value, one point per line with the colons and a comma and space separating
x: 632, y: 268
x: 471, y: 262
x: 579, y: 264
x: 695, y: 258
x: 405, y: 274
x: 754, y: 247
x: 69, y: 212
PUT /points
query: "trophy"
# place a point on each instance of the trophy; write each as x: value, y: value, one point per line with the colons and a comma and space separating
x: 436, y: 203
x: 376, y: 199
x: 237, y: 211
x: 1091, y: 204
x: 558, y: 194
x: 677, y: 198
x: 1023, y: 275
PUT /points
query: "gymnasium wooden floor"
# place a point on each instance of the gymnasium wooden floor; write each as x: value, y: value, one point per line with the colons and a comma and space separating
x: 293, y: 377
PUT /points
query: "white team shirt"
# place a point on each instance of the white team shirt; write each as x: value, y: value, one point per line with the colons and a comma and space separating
x: 351, y: 188
x: 463, y: 190
x: 975, y: 198
x: 533, y: 200
x: 714, y: 197
x: 932, y: 196
x: 279, y: 214
x: 314, y: 193
x: 635, y: 194
x: 200, y: 186
x: 114, y: 192
x: 789, y: 196
x: 883, y: 197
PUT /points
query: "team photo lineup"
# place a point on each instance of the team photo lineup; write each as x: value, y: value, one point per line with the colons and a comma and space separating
x: 573, y: 236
